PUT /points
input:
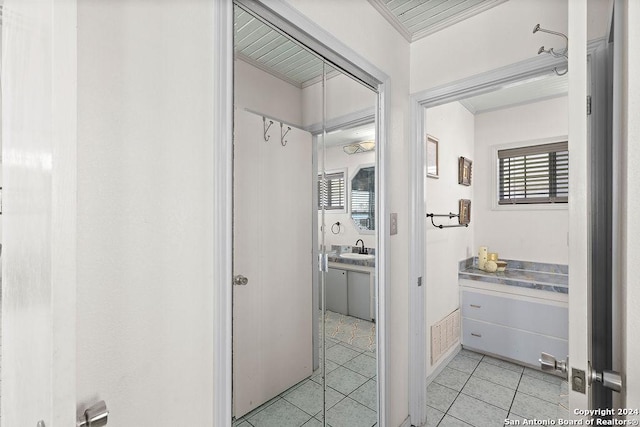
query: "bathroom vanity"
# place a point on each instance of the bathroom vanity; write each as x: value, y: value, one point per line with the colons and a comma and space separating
x: 350, y: 286
x: 516, y: 314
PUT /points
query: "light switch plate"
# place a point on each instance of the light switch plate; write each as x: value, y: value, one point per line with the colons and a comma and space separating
x: 394, y: 224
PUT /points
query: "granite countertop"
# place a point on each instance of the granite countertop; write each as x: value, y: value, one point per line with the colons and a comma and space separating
x: 334, y: 256
x: 546, y: 277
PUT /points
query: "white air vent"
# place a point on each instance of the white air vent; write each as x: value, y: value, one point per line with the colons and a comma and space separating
x: 444, y: 335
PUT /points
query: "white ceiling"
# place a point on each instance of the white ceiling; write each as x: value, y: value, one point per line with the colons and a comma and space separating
x: 265, y: 48
x: 415, y: 19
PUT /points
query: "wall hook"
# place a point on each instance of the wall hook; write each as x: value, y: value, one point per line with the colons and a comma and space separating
x: 282, y: 135
x: 266, y: 127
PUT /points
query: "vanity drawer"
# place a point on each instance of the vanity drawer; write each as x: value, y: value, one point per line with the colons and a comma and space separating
x: 511, y: 343
x: 530, y: 316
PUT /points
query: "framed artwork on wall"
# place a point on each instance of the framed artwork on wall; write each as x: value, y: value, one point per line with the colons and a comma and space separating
x: 432, y: 157
x: 464, y: 171
x: 464, y: 211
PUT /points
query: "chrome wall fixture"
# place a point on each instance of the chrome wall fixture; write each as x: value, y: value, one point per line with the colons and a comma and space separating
x: 283, y: 134
x: 266, y: 127
x: 562, y: 53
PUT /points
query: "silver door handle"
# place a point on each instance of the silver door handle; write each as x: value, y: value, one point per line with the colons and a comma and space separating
x: 609, y: 379
x: 94, y: 416
x: 240, y: 280
x: 549, y: 363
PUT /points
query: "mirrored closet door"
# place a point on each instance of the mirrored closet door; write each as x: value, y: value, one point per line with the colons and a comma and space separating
x: 304, y: 299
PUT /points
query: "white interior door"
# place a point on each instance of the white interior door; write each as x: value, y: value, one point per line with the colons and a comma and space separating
x: 272, y: 248
x: 37, y: 381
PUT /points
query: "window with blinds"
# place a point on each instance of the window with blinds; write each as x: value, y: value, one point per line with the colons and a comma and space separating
x: 534, y: 174
x: 331, y: 192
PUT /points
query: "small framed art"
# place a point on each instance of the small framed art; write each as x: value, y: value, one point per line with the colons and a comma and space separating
x: 464, y: 171
x: 464, y: 210
x: 432, y: 157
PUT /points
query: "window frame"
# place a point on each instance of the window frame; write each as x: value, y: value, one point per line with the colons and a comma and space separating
x: 495, y: 191
x: 344, y: 209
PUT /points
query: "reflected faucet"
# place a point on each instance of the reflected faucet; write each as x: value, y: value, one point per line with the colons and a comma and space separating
x: 363, y: 250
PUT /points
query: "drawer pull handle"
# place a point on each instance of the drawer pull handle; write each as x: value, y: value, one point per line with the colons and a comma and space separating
x: 476, y: 335
x: 475, y: 306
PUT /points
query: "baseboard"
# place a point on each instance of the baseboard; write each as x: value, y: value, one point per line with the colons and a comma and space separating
x: 443, y: 363
x: 406, y: 422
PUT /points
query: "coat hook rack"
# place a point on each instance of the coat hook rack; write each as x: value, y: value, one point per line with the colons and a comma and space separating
x: 449, y: 215
x: 266, y: 127
x: 563, y: 53
x: 282, y: 135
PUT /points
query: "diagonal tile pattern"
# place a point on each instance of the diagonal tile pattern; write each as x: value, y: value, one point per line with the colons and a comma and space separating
x: 477, y: 390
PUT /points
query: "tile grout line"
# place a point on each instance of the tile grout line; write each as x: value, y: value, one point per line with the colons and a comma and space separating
x: 515, y: 394
x: 459, y: 392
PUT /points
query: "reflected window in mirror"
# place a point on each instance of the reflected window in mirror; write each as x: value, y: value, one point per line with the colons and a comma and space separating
x: 363, y: 199
x: 332, y: 193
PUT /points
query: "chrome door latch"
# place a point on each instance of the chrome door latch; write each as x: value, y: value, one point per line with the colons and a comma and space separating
x: 240, y: 280
x: 579, y: 378
x: 94, y: 416
x: 549, y: 363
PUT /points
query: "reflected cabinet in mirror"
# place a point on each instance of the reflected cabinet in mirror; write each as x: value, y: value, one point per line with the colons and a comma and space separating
x: 363, y: 198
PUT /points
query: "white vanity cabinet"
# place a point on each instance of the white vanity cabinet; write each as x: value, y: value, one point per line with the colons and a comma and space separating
x: 336, y: 291
x: 349, y: 290
x: 512, y: 325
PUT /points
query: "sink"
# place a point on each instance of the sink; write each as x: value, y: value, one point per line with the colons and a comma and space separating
x: 351, y: 255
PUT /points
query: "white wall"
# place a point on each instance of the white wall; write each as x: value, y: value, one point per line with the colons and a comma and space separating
x: 383, y: 46
x: 453, y: 126
x: 336, y: 158
x: 261, y: 92
x: 495, y: 38
x: 145, y: 210
x: 521, y: 233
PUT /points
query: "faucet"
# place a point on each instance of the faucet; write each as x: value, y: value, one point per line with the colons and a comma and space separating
x: 363, y: 250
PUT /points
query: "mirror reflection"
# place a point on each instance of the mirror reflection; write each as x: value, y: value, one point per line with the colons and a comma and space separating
x: 304, y: 339
x: 363, y: 198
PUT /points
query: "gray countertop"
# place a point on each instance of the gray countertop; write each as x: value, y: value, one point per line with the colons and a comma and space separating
x: 531, y: 279
x: 334, y: 256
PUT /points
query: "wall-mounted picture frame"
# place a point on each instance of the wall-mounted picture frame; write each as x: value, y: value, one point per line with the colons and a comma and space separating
x: 464, y: 171
x: 432, y: 157
x: 464, y: 211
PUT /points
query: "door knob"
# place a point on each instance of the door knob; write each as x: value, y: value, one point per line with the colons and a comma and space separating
x: 94, y: 416
x: 609, y: 379
x: 240, y: 280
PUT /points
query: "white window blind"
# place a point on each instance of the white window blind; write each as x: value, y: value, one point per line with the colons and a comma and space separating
x: 534, y: 174
x: 362, y: 203
x: 331, y: 192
